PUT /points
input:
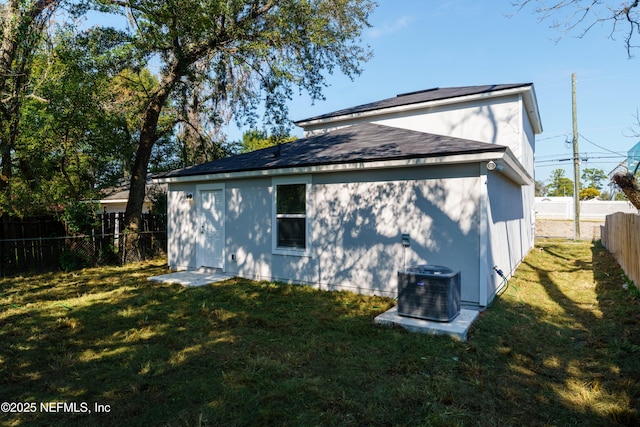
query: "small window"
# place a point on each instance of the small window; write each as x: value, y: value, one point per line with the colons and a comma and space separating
x: 290, y: 217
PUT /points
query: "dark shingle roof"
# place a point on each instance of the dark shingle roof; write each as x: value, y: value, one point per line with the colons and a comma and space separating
x: 365, y: 142
x: 427, y: 95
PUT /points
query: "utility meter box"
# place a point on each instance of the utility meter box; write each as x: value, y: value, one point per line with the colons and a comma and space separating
x: 429, y: 292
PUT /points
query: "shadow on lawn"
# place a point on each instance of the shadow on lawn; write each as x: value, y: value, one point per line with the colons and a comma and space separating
x: 84, y: 341
x: 163, y: 354
x: 560, y: 347
x: 574, y: 345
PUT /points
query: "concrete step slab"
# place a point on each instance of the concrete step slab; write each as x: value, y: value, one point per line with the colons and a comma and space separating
x: 457, y: 328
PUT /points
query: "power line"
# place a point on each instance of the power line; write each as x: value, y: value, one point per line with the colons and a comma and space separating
x: 585, y: 157
x: 600, y: 146
x: 560, y: 135
x: 590, y: 154
x: 551, y: 165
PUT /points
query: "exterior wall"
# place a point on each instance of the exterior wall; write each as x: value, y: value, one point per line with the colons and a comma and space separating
x: 497, y: 120
x: 357, y: 219
x: 527, y: 156
x: 248, y: 229
x: 510, y: 228
x: 360, y: 220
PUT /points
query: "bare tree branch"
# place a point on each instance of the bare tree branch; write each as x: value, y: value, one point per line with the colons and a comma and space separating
x: 569, y: 15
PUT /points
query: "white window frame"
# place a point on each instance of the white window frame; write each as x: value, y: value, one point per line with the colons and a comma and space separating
x: 301, y: 179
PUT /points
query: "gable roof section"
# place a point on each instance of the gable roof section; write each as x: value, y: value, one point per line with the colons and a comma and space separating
x: 362, y: 143
x: 435, y: 95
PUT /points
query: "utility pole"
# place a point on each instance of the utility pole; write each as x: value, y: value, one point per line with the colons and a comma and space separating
x: 576, y: 163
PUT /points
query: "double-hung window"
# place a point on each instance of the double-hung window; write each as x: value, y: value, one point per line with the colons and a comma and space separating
x: 291, y: 206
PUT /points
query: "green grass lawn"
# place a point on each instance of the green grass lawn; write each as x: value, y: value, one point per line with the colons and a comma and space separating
x: 561, y: 346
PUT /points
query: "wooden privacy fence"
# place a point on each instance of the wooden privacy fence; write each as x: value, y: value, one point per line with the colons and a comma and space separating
x: 42, y: 244
x: 621, y: 237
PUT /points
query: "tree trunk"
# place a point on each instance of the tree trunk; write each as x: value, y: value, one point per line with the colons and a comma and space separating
x: 148, y: 137
x: 139, y: 170
x: 629, y: 186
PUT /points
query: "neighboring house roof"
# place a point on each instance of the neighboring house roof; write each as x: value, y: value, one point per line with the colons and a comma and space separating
x: 115, y: 195
x: 433, y: 95
x: 120, y: 193
x: 360, y: 144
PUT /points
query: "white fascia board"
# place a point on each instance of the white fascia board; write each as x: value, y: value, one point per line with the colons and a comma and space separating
x: 511, y: 168
x: 527, y: 93
x: 112, y: 201
x: 531, y: 105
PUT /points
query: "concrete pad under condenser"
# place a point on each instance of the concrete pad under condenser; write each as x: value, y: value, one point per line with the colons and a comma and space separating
x: 458, y: 328
x: 190, y: 278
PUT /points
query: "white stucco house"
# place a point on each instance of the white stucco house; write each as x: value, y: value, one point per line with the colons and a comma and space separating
x: 451, y: 169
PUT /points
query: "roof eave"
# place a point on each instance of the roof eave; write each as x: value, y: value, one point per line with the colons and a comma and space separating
x: 531, y: 105
x: 511, y: 167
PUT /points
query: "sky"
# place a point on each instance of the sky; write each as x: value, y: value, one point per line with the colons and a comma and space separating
x: 420, y: 44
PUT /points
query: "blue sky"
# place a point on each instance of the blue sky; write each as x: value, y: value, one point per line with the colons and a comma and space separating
x: 421, y: 44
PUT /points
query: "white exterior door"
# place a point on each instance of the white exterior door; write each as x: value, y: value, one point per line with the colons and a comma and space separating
x: 211, y: 223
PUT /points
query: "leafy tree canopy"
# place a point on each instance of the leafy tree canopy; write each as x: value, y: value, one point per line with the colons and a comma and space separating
x: 560, y: 185
x: 79, y: 133
x: 255, y: 139
x: 593, y: 177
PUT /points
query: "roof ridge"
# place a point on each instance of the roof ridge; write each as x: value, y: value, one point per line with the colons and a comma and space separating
x: 415, y: 92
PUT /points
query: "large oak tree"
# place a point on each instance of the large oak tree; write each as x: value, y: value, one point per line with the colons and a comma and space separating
x: 243, y: 54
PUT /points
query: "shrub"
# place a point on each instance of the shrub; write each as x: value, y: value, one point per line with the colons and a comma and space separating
x: 73, y: 260
x: 589, y: 193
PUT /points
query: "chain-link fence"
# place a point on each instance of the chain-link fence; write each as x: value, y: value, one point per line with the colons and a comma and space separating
x: 34, y: 255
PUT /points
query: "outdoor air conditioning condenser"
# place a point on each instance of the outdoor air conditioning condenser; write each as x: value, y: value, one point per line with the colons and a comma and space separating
x: 429, y: 292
